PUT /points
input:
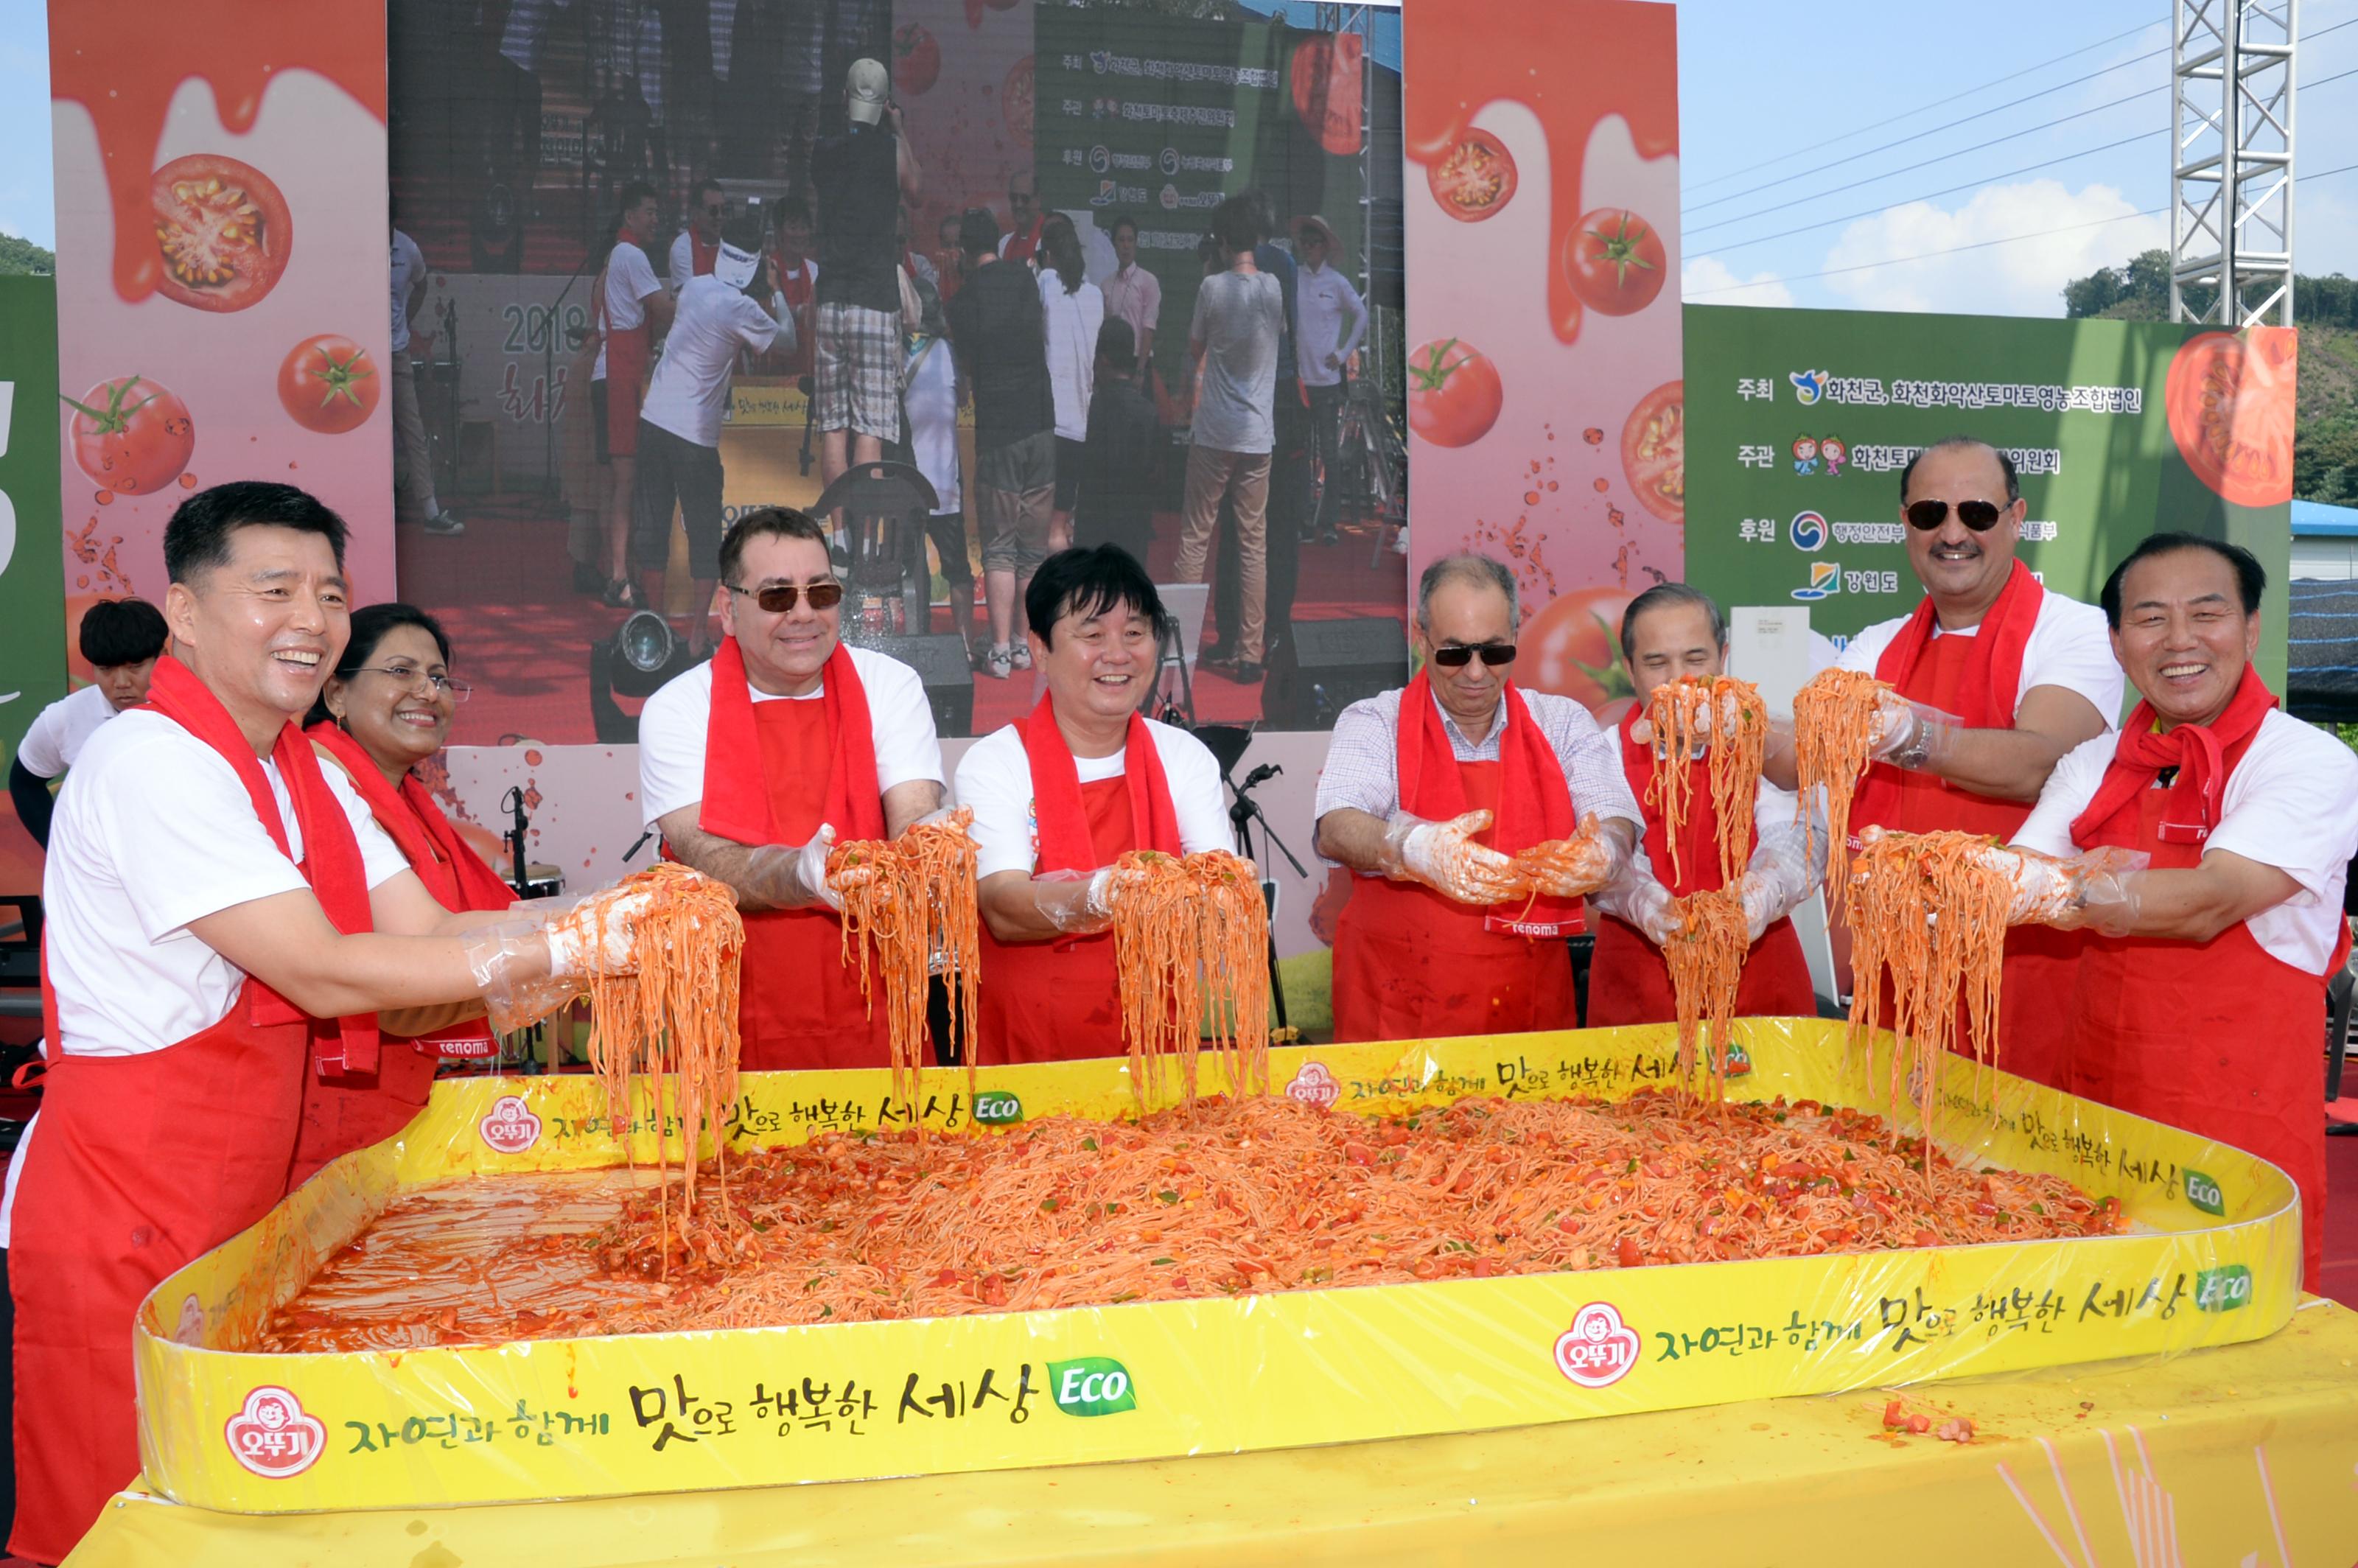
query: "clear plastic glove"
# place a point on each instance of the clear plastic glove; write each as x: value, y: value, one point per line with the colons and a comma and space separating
x: 1910, y: 735
x: 1787, y: 866
x: 598, y: 935
x: 1445, y: 857
x: 793, y: 876
x: 1729, y: 726
x: 1645, y: 904
x: 537, y: 957
x: 1576, y: 867
x: 2100, y: 890
x: 1084, y: 905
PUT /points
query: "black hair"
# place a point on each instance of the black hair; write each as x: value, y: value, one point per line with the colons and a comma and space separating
x: 638, y: 190
x: 1235, y: 225
x: 695, y: 192
x: 1261, y: 210
x: 764, y: 523
x: 197, y: 538
x: 954, y: 223
x: 1117, y: 344
x: 1124, y: 221
x: 1085, y: 582
x: 1661, y: 596
x: 794, y: 209
x: 1951, y: 443
x: 121, y: 631
x: 1060, y: 247
x: 370, y: 624
x: 2251, y: 578
x: 979, y: 232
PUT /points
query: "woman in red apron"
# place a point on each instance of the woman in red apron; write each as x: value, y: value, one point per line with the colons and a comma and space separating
x: 387, y: 709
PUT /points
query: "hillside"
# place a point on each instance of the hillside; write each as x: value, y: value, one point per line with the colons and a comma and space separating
x: 22, y: 255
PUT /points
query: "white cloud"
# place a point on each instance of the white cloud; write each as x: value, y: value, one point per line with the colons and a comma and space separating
x: 2022, y: 278
x: 1707, y: 280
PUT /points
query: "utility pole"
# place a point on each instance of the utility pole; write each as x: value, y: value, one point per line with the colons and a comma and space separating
x: 2230, y: 176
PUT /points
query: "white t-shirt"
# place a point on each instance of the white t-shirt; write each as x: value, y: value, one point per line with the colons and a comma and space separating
x: 1323, y: 300
x: 995, y: 779
x: 690, y: 389
x: 2291, y: 803
x: 60, y: 730
x: 1237, y: 320
x: 2069, y: 646
x: 408, y: 266
x: 630, y: 281
x: 1073, y: 322
x: 672, y: 728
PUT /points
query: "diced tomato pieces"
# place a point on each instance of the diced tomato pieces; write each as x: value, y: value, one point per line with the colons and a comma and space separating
x: 1629, y: 1252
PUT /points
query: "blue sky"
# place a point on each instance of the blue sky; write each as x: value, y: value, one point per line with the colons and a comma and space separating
x: 1760, y: 81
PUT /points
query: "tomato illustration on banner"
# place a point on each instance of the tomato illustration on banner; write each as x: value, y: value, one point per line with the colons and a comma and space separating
x: 273, y: 1437
x: 510, y: 1128
x: 1598, y: 1349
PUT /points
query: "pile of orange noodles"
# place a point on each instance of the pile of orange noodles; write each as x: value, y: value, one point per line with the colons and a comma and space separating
x: 674, y: 1023
x: 1705, y: 957
x: 1193, y: 931
x: 909, y: 906
x: 1929, y: 914
x: 1725, y: 721
x: 1833, y: 728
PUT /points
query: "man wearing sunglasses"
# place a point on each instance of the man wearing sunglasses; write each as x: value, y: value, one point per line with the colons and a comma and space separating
x: 1670, y: 633
x: 1997, y: 679
x: 1478, y: 816
x: 2206, y: 847
x: 699, y: 244
x: 751, y: 766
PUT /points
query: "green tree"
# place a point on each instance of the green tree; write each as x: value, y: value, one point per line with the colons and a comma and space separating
x: 22, y: 256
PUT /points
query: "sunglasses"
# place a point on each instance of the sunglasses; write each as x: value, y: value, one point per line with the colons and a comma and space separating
x: 779, y: 598
x: 1981, y: 517
x: 1457, y: 656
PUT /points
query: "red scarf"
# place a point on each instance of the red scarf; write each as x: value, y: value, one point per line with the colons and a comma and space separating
x: 457, y: 876
x: 1023, y: 246
x: 331, y: 856
x: 2199, y: 753
x: 1062, y: 823
x: 1534, y: 801
x: 737, y: 787
x: 700, y: 255
x: 1986, y: 700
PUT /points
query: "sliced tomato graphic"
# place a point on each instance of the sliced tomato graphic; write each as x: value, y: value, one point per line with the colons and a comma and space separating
x: 2229, y: 402
x: 1475, y: 180
x: 224, y: 229
x: 1654, y: 451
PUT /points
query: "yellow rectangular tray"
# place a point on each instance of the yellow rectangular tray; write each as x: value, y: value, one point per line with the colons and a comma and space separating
x: 2215, y: 1258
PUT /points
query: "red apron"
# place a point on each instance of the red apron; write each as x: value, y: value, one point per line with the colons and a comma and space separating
x: 343, y: 1114
x: 628, y: 351
x: 2219, y: 1037
x: 798, y: 1004
x: 800, y: 287
x: 700, y: 255
x: 142, y: 1162
x: 1628, y: 980
x: 1060, y: 999
x: 2038, y: 974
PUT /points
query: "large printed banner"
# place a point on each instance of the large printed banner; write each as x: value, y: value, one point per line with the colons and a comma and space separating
x: 32, y: 615
x: 1804, y: 420
x: 221, y: 296
x: 1544, y: 404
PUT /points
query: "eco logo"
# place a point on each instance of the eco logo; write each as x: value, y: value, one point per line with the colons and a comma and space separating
x: 1314, y: 1085
x: 1093, y: 1385
x: 1807, y: 531
x: 1825, y: 578
x: 996, y: 1108
x: 2222, y: 1289
x: 1598, y: 1349
x: 510, y: 1127
x: 2203, y: 1192
x: 272, y: 1437
x: 1809, y: 385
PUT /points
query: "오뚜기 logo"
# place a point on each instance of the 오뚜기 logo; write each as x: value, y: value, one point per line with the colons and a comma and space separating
x: 272, y: 1437
x: 1598, y: 1349
x: 1314, y: 1085
x: 510, y: 1127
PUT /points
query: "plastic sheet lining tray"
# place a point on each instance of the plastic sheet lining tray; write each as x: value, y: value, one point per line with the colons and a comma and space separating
x: 2210, y: 1257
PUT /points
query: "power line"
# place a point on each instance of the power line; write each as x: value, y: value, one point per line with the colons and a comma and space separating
x: 1985, y: 87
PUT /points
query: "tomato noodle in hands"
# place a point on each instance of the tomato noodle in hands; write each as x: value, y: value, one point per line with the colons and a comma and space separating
x: 1833, y: 729
x: 1186, y: 930
x: 1706, y: 956
x: 1929, y: 913
x: 910, y: 900
x: 1723, y: 720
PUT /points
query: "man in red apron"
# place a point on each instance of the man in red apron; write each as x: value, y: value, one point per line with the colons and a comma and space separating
x: 219, y: 911
x: 1024, y: 219
x: 1062, y: 793
x: 755, y: 765
x: 2198, y: 999
x: 1673, y: 632
x: 1997, y: 678
x: 698, y: 246
x: 1428, y: 792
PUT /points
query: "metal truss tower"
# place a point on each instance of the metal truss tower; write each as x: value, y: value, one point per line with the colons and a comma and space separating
x: 2230, y: 176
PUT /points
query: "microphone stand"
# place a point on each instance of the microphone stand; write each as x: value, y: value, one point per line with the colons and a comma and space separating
x: 1241, y: 817
x: 549, y: 487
